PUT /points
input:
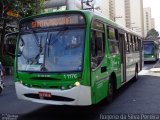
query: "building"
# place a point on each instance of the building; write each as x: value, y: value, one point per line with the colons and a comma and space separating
x: 108, y: 9
x: 126, y: 14
x: 136, y: 16
x: 120, y: 12
x: 147, y: 20
x: 104, y: 6
x: 152, y: 23
x: 112, y: 10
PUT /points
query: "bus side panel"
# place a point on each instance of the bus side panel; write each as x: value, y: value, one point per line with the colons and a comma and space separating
x: 131, y: 60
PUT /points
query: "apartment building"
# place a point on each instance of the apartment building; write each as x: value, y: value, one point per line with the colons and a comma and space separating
x: 104, y: 6
x: 152, y: 23
x: 136, y: 16
x: 108, y: 8
x: 120, y: 12
x: 112, y: 9
x: 147, y: 20
x: 130, y: 14
x: 127, y: 13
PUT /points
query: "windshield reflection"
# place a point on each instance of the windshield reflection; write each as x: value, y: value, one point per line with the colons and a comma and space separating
x: 54, y: 51
x: 148, y: 48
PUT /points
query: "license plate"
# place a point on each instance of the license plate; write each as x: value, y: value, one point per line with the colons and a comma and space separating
x: 44, y: 94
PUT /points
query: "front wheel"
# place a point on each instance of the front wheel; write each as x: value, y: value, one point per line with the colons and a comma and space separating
x: 110, y: 91
x: 0, y: 90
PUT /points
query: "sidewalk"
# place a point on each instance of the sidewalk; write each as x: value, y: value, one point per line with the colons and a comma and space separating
x: 156, y: 67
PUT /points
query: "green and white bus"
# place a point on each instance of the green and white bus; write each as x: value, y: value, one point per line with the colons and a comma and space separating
x: 74, y: 58
x: 151, y: 50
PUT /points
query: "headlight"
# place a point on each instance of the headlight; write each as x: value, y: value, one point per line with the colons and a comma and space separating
x: 77, y: 83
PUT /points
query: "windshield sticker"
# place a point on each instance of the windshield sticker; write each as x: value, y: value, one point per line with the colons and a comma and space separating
x: 33, y: 67
x: 41, y: 59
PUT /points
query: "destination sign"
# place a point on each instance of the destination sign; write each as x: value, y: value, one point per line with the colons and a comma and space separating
x: 52, y: 21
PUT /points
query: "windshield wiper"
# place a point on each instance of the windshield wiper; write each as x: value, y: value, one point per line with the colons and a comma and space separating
x: 61, y: 32
x: 36, y: 38
x: 49, y: 40
x: 43, y: 68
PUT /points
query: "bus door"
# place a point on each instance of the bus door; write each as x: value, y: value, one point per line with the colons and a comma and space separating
x: 99, y: 70
x: 122, y: 39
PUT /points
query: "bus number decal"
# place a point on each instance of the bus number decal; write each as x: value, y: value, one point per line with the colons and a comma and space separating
x: 71, y: 76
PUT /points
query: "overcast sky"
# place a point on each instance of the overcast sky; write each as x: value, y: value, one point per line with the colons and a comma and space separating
x: 155, y: 7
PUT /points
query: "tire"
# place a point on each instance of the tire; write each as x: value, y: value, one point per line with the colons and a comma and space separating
x: 135, y: 78
x: 110, y: 90
x: 0, y: 90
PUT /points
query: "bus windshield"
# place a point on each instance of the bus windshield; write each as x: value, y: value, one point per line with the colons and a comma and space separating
x: 59, y: 50
x: 148, y: 48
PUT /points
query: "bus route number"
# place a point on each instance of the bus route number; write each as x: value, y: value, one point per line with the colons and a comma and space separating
x: 70, y: 76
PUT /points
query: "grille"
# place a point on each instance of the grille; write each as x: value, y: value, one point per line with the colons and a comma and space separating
x: 53, y: 97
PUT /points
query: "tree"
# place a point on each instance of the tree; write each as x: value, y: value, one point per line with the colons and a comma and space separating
x: 21, y: 8
x: 152, y: 34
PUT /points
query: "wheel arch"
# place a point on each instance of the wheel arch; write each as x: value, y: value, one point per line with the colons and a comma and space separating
x: 113, y: 77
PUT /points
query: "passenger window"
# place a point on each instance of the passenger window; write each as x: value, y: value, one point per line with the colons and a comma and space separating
x: 132, y: 43
x: 113, y: 40
x: 127, y: 43
x: 136, y: 43
x: 111, y: 33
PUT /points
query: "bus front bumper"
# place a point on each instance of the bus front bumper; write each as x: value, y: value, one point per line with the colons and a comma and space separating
x: 78, y: 95
x: 149, y: 59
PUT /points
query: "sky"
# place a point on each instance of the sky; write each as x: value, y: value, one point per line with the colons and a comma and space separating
x: 155, y: 8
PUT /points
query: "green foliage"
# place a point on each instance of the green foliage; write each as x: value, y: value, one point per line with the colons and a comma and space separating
x: 152, y: 34
x: 7, y: 60
x: 24, y: 7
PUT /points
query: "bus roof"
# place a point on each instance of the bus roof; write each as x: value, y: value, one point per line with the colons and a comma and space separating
x: 113, y: 23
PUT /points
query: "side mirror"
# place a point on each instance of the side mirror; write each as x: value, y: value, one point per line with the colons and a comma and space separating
x: 10, y: 43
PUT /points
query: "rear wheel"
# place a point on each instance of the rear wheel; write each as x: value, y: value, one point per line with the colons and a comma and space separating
x: 136, y: 75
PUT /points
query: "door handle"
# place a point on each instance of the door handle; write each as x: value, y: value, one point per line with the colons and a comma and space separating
x: 103, y: 69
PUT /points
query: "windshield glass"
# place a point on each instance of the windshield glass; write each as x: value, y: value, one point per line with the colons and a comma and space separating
x: 149, y: 48
x: 54, y: 51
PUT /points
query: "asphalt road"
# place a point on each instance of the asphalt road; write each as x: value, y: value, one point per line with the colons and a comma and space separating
x: 141, y: 97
